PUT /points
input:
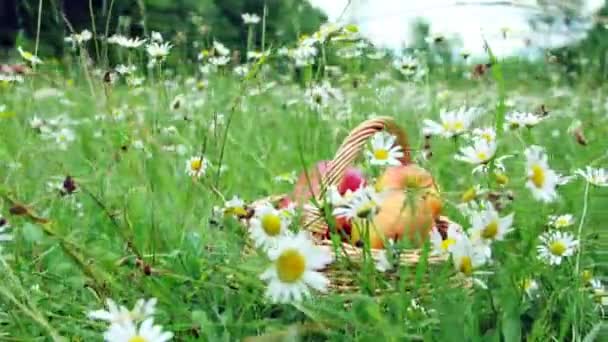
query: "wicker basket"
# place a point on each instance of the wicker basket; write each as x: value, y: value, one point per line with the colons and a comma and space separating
x: 350, y: 259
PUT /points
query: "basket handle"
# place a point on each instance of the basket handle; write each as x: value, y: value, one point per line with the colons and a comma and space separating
x: 346, y: 155
x: 355, y: 142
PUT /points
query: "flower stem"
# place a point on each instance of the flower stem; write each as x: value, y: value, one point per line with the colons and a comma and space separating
x: 580, y: 227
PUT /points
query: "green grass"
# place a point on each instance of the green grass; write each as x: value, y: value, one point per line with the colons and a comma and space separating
x: 134, y: 205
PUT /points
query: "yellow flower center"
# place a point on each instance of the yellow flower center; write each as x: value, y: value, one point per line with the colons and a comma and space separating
x: 445, y: 244
x: 482, y: 156
x: 469, y: 195
x: 561, y: 222
x: 501, y: 178
x: 366, y: 209
x: 456, y: 126
x: 490, y: 231
x: 487, y: 137
x: 557, y: 248
x: 381, y: 154
x: 137, y: 338
x: 538, y: 176
x: 587, y: 276
x: 466, y: 265
x: 291, y: 265
x: 196, y: 164
x: 237, y: 211
x: 271, y: 224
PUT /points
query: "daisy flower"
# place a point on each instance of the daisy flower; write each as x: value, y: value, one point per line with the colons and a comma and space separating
x: 556, y: 245
x: 220, y: 49
x: 304, y: 55
x: 129, y: 43
x: 268, y: 225
x: 516, y: 120
x: 488, y: 227
x: 467, y: 256
x: 441, y: 246
x: 409, y: 66
x: 488, y: 134
x: 542, y: 180
x: 597, y: 177
x: 118, y: 315
x: 196, y: 166
x: 130, y: 332
x: 235, y: 206
x: 561, y: 221
x: 383, y: 150
x: 295, y: 265
x: 250, y: 19
x: 63, y: 137
x: 472, y: 193
x: 530, y: 287
x: 79, y: 38
x: 158, y: 51
x: 28, y: 56
x: 452, y: 123
x: 364, y: 203
x: 481, y: 152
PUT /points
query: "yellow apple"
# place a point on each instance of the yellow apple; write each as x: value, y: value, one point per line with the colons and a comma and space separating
x: 409, y: 208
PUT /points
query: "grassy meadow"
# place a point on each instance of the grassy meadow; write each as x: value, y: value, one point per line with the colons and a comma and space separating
x: 99, y: 200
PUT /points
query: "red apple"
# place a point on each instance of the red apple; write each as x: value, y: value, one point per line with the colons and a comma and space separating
x: 353, y: 179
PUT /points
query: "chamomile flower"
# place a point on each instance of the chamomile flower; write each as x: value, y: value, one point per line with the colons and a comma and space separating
x: 219, y: 60
x: 235, y: 206
x: 451, y: 123
x: 63, y: 137
x: 220, y: 49
x: 481, y: 152
x: 472, y: 193
x: 441, y: 246
x: 409, y: 66
x: 129, y: 43
x: 363, y: 204
x: 250, y: 19
x: 79, y: 38
x: 530, y: 287
x: 28, y: 56
x: 321, y: 95
x: 383, y: 150
x: 130, y: 332
x: 561, y: 221
x: 516, y: 120
x: 467, y: 256
x: 268, y: 225
x: 555, y: 246
x: 488, y: 226
x: 542, y: 180
x: 304, y: 55
x: 488, y: 134
x: 597, y: 177
x: 196, y: 166
x: 119, y: 315
x: 158, y: 51
x: 295, y: 264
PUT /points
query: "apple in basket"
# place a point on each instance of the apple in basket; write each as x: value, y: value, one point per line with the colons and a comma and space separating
x: 409, y: 207
x: 308, y: 186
